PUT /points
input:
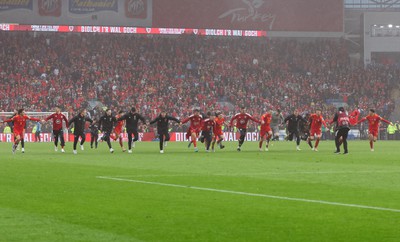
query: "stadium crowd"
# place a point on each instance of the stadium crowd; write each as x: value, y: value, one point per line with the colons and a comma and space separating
x: 39, y: 72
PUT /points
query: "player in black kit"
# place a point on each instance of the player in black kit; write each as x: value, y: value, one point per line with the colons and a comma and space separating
x: 94, y: 134
x: 293, y: 121
x: 132, y: 118
x: 342, y: 129
x: 162, y: 128
x: 106, y: 125
x: 79, y: 122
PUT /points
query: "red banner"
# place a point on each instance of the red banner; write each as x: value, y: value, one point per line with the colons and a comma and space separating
x: 282, y: 15
x: 132, y: 30
x: 175, y: 136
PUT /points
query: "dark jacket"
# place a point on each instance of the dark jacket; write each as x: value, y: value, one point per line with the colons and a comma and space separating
x: 293, y: 124
x: 107, y: 123
x: 132, y: 120
x: 79, y: 123
x: 162, y: 123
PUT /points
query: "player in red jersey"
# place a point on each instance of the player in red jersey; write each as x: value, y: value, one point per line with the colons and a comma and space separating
x: 118, y: 130
x: 19, y: 128
x: 265, y: 130
x: 58, y: 133
x: 353, y: 116
x: 207, y: 130
x: 373, y: 121
x: 218, y: 134
x: 242, y: 119
x: 196, y: 122
x: 317, y: 121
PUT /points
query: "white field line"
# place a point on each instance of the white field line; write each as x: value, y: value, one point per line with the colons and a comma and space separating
x: 253, y: 194
x: 257, y: 173
x: 310, y: 172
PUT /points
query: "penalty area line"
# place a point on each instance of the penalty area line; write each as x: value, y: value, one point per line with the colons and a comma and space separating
x: 252, y: 194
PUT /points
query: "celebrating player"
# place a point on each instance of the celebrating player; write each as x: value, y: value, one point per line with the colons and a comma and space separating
x: 293, y: 121
x: 373, y: 121
x: 207, y: 130
x: 317, y: 121
x: 353, y: 116
x: 106, y: 125
x: 132, y: 119
x: 196, y: 121
x: 162, y: 128
x: 118, y: 130
x: 218, y: 134
x: 342, y: 128
x: 276, y: 120
x: 94, y: 134
x: 58, y: 133
x: 79, y: 122
x: 265, y: 131
x: 242, y: 119
x: 19, y: 121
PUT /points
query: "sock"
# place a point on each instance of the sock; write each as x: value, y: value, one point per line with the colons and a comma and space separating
x: 316, y: 143
x: 194, y: 143
x: 260, y: 144
x: 371, y: 144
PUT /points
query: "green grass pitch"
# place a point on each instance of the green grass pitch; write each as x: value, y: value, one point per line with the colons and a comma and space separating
x: 279, y: 195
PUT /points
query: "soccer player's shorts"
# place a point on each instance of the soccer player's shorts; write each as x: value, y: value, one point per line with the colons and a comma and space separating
x: 118, y: 132
x: 374, y: 132
x: 193, y: 130
x: 218, y: 132
x: 265, y: 131
x: 19, y: 133
x: 315, y: 132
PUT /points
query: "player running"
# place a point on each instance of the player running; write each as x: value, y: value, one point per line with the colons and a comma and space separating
x: 242, y: 119
x: 162, y: 128
x: 94, y: 134
x: 19, y: 121
x: 342, y: 128
x: 196, y: 122
x: 218, y: 134
x: 118, y: 130
x: 58, y: 133
x: 132, y: 119
x: 373, y: 121
x: 293, y: 121
x: 79, y: 122
x: 276, y: 121
x: 265, y: 130
x: 106, y: 125
x: 207, y: 130
x: 317, y: 121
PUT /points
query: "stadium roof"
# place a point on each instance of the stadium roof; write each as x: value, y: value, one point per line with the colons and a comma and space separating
x: 391, y: 5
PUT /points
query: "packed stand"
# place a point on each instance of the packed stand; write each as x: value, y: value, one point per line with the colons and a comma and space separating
x: 179, y: 73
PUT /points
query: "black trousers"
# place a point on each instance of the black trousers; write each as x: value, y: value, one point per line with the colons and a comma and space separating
x: 76, y: 138
x: 341, y: 133
x: 93, y: 139
x: 37, y: 136
x: 207, y: 137
x: 130, y: 140
x: 243, y: 133
x: 106, y: 137
x: 59, y: 134
x: 163, y: 135
x: 293, y: 133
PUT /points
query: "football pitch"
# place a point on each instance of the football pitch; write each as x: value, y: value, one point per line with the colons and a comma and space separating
x: 279, y: 195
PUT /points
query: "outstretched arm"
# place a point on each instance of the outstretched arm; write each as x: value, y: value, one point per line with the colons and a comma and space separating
x: 362, y: 120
